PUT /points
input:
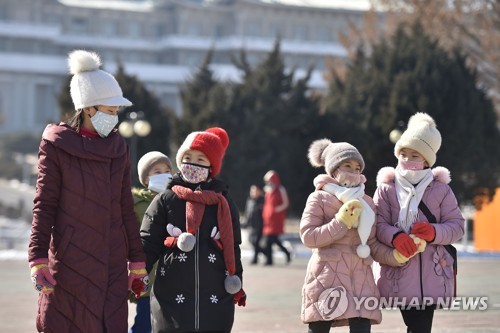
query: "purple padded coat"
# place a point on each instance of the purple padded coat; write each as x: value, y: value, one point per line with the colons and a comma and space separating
x: 429, y: 274
x: 84, y: 222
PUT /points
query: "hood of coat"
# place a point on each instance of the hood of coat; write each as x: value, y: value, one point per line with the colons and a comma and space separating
x: 386, y: 175
x: 323, y: 179
x: 212, y: 184
x: 102, y: 149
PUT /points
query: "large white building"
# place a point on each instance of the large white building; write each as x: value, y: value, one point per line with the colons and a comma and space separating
x: 162, y: 42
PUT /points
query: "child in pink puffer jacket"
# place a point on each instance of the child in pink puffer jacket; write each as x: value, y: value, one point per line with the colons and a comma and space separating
x: 338, y: 224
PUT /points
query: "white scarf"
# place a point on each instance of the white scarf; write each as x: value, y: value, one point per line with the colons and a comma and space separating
x: 409, y: 195
x: 366, y: 218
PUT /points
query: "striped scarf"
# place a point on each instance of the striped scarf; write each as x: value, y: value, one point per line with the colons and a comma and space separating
x: 195, y: 207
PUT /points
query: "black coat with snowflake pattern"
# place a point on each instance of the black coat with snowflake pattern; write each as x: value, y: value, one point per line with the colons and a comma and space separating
x: 188, y: 294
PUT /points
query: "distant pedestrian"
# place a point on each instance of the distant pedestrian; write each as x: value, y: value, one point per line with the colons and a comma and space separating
x: 84, y: 230
x: 193, y: 231
x: 414, y: 200
x: 155, y: 173
x: 254, y: 221
x: 338, y: 224
x: 274, y: 215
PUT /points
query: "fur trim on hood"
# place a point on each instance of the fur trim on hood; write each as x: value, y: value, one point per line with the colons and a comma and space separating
x: 386, y: 175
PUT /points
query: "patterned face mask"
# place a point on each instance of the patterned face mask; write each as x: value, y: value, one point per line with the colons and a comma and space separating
x: 104, y: 123
x: 194, y: 173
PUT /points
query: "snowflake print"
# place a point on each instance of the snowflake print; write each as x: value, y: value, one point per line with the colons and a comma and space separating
x: 180, y: 298
x: 227, y: 273
x: 182, y: 257
x: 214, y: 299
x: 212, y: 258
x: 162, y: 271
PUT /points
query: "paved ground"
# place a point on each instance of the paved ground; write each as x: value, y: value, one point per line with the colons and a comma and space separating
x: 274, y: 296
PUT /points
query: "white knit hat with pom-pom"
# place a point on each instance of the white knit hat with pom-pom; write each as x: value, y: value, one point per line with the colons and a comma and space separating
x: 422, y: 136
x: 330, y: 155
x: 90, y: 85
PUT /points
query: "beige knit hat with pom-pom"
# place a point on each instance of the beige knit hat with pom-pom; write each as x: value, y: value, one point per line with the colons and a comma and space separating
x: 330, y: 155
x: 90, y: 85
x: 422, y: 136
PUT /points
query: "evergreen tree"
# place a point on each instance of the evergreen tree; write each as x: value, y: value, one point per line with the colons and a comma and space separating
x: 411, y: 73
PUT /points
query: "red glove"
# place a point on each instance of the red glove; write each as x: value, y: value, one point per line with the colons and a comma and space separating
x: 240, y: 298
x: 138, y: 279
x: 41, y: 277
x: 424, y: 230
x: 404, y: 244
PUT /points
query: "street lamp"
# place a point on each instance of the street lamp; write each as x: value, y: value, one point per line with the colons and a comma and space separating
x: 396, y: 133
x: 134, y: 126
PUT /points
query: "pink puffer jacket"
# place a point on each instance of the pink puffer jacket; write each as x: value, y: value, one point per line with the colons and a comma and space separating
x: 334, y: 262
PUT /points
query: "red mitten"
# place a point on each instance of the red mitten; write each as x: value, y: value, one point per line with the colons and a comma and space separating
x: 40, y: 275
x: 137, y: 272
x: 240, y: 298
x: 140, y: 286
x: 170, y: 241
x: 404, y: 244
x: 424, y: 230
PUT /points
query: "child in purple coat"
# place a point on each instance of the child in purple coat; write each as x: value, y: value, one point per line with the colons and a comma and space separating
x: 408, y: 198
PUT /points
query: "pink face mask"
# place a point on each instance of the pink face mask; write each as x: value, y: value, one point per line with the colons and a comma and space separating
x: 349, y: 179
x: 411, y: 165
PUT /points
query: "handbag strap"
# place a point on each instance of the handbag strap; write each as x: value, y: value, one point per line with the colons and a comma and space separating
x: 423, y: 207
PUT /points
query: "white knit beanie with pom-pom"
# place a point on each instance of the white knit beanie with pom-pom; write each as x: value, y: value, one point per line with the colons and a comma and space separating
x: 91, y: 86
x: 422, y: 136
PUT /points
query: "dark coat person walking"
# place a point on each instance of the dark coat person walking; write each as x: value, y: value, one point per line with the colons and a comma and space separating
x: 254, y: 220
x: 84, y: 229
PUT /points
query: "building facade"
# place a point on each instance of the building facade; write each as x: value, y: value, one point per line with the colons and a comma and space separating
x: 162, y: 42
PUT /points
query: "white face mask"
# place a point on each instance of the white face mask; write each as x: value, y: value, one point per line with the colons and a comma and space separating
x: 349, y: 179
x: 158, y: 183
x: 104, y: 123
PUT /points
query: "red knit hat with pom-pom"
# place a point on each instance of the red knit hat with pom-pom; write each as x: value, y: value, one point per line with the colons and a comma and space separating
x: 212, y: 142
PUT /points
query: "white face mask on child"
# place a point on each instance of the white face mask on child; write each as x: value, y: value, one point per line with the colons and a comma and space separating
x: 349, y: 179
x: 158, y: 183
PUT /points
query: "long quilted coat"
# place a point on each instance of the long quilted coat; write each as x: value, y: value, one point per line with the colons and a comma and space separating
x: 274, y: 220
x: 84, y: 222
x: 188, y: 294
x: 429, y: 274
x: 334, y: 262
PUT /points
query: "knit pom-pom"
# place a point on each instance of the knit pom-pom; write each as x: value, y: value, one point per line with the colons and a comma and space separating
x: 420, y: 119
x: 363, y: 251
x: 316, y: 151
x: 83, y: 61
x: 441, y: 174
x: 221, y: 133
x: 232, y: 284
x: 186, y: 242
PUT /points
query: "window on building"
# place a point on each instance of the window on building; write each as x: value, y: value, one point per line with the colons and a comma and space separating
x: 253, y: 29
x: 219, y: 31
x: 51, y: 19
x: 299, y: 32
x: 4, y: 12
x: 277, y: 30
x: 134, y: 29
x: 45, y: 104
x: 79, y: 25
x: 109, y: 28
x: 324, y: 34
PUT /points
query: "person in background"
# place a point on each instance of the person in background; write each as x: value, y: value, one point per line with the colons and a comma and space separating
x: 274, y: 215
x: 414, y: 200
x: 85, y: 251
x: 193, y: 231
x: 155, y: 173
x: 253, y: 219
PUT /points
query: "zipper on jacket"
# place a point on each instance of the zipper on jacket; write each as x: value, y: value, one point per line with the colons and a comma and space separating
x: 197, y: 283
x: 421, y: 283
